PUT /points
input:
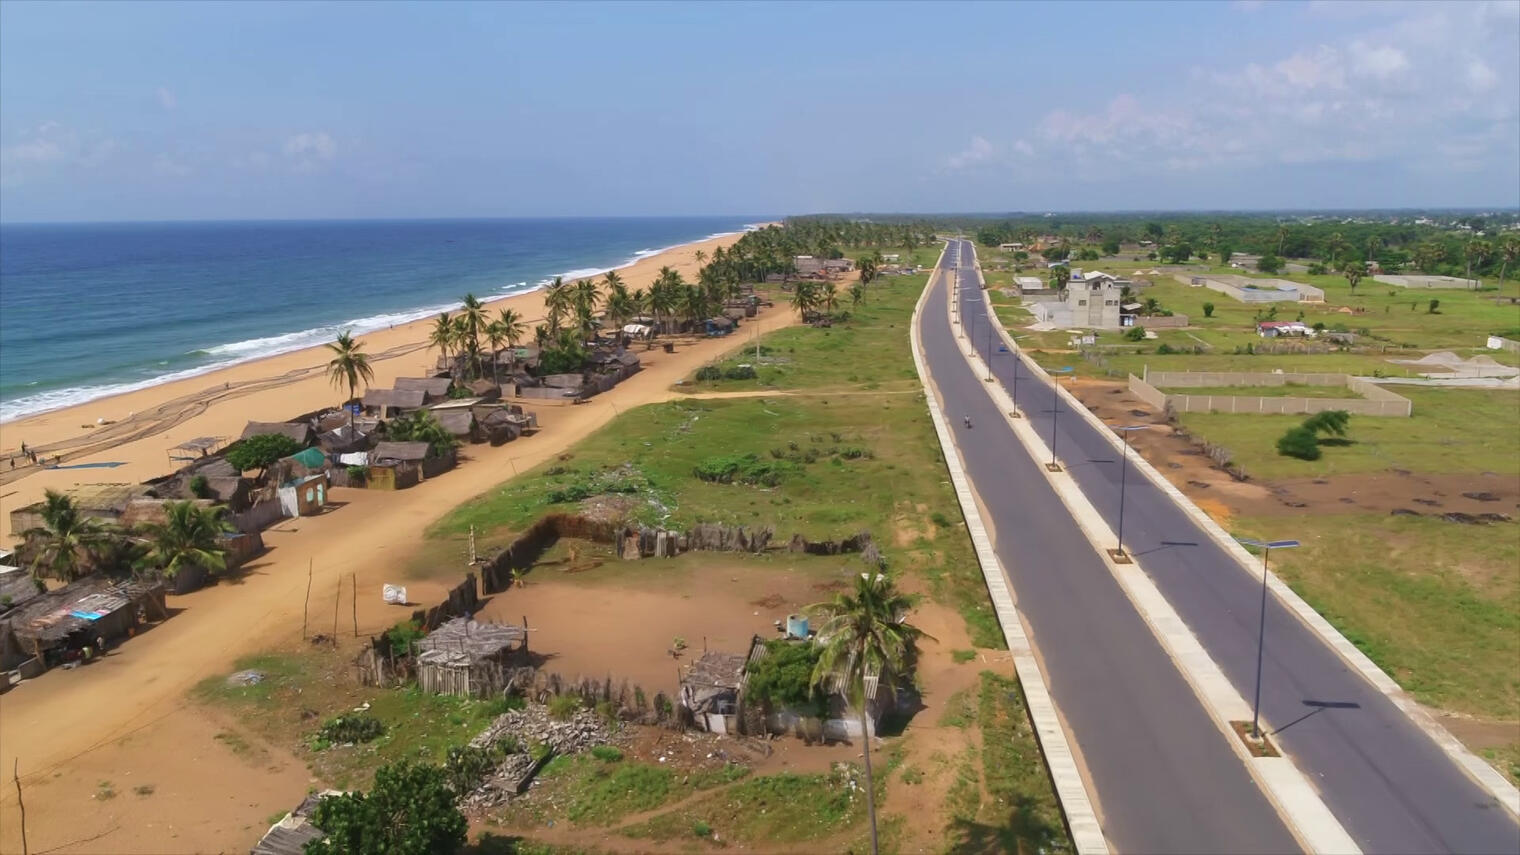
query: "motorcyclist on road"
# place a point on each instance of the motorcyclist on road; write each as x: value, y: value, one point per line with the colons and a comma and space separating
x: 968, y: 421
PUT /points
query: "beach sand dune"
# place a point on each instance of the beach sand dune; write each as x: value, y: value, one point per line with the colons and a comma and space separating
x: 72, y: 723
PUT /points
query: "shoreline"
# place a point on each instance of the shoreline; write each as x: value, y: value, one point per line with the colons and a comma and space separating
x: 145, y: 423
x: 360, y: 327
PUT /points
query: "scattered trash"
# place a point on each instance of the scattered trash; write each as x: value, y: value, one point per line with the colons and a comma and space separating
x: 246, y: 678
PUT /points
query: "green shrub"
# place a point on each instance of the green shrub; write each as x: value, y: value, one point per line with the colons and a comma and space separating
x: 1299, y: 442
x: 701, y: 829
x: 940, y: 520
x: 403, y: 634
x: 467, y: 765
x: 1208, y: 310
x: 1135, y: 333
x: 961, y: 657
x: 260, y: 450
x: 1165, y: 348
x: 709, y: 372
x: 200, y: 487
x: 606, y: 753
x: 410, y: 808
x: 1333, y: 422
x: 740, y: 372
x: 743, y: 468
x: 563, y: 707
x: 784, y: 678
x: 357, y: 475
x: 354, y: 727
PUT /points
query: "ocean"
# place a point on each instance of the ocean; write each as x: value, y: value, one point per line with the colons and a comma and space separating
x: 88, y: 310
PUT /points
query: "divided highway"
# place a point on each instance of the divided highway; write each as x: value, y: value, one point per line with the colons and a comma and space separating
x: 1165, y: 778
x: 1388, y: 783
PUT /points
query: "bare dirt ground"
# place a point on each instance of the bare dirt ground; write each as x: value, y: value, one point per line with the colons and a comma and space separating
x: 1223, y: 497
x: 67, y: 721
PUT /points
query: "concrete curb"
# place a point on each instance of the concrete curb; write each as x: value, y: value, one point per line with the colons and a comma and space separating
x: 1487, y: 777
x: 1289, y: 790
x: 1081, y: 818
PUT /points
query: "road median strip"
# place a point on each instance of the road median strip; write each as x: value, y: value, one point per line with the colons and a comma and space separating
x: 1081, y: 818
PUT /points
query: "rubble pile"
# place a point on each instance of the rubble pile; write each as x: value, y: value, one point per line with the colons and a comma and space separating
x: 532, y: 726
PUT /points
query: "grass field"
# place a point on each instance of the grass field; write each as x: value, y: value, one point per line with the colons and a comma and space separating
x: 844, y: 457
x: 1451, y: 431
x: 1435, y: 603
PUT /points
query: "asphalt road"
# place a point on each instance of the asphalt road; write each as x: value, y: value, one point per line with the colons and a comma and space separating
x: 1388, y: 783
x: 1166, y: 779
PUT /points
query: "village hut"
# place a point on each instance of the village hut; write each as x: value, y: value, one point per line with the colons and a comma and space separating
x: 17, y: 588
x: 290, y: 835
x: 484, y: 389
x: 504, y: 424
x: 710, y: 691
x: 343, y: 439
x: 194, y: 449
x: 102, y: 502
x: 388, y: 453
x: 305, y: 495
x: 466, y: 658
x: 301, y: 432
x: 56, y: 627
x: 458, y: 421
x: 432, y: 388
x: 388, y: 403
x: 717, y: 326
x: 396, y: 465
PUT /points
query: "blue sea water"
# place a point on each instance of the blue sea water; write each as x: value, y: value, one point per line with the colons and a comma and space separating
x: 88, y: 310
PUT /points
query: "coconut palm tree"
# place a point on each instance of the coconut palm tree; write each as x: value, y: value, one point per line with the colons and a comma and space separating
x: 1282, y: 237
x: 557, y: 302
x: 1374, y: 243
x: 66, y: 544
x: 857, y: 294
x: 1509, y: 253
x: 864, y: 635
x: 1335, y: 245
x: 700, y: 256
x: 463, y: 344
x: 442, y: 335
x: 190, y: 537
x: 584, y: 299
x: 508, y: 329
x: 828, y: 297
x: 349, y: 365
x: 612, y: 281
x: 805, y: 299
x: 867, y: 267
x: 1477, y: 251
x: 620, y: 306
x: 475, y: 319
x: 1428, y: 255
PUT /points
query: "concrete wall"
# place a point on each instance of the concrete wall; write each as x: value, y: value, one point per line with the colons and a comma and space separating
x: 1233, y: 286
x: 1403, y: 280
x: 1161, y: 322
x: 1376, y: 401
x: 1496, y: 342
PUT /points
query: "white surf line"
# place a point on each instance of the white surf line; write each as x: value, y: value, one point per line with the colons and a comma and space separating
x: 1081, y: 818
x: 1289, y: 790
x: 1487, y: 777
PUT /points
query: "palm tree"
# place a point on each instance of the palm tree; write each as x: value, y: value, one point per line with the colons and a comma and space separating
x: 700, y: 256
x: 1335, y: 245
x: 1353, y: 271
x: 1374, y: 243
x: 66, y: 543
x: 1428, y: 255
x: 189, y: 538
x: 1479, y: 251
x: 1058, y: 276
x: 474, y: 316
x: 857, y: 294
x: 585, y: 297
x: 804, y: 299
x: 1509, y: 253
x: 1282, y: 236
x: 557, y: 302
x: 862, y: 636
x: 867, y: 265
x: 620, y: 306
x: 828, y: 297
x: 612, y: 281
x: 508, y: 329
x: 442, y: 335
x: 462, y: 342
x: 349, y: 365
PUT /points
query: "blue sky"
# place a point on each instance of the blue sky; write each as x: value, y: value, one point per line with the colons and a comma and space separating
x: 126, y: 111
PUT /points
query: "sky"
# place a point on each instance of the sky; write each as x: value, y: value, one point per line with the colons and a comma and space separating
x: 149, y: 111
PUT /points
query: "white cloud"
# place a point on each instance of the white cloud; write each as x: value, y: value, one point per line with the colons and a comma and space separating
x: 319, y: 146
x: 979, y: 151
x: 1419, y: 84
x: 166, y: 98
x: 163, y: 164
x: 1378, y: 62
x: 1480, y: 75
x: 51, y: 147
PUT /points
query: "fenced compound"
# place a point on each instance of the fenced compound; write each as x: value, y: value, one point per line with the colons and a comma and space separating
x: 1375, y: 400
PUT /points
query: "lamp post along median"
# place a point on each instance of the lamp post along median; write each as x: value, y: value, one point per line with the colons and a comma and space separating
x: 1124, y: 432
x: 1266, y: 548
x: 1055, y: 412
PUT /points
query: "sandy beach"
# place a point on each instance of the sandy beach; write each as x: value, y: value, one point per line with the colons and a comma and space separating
x: 128, y: 712
x: 148, y: 422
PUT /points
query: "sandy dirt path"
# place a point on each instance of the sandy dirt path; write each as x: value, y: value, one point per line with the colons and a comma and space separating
x: 67, y: 720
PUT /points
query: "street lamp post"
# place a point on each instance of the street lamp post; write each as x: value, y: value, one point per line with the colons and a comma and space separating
x: 1124, y: 432
x: 1055, y: 412
x: 1266, y: 548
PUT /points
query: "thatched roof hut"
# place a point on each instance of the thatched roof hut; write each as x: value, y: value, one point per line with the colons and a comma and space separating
x: 393, y: 399
x: 459, y: 422
x: 435, y: 388
x: 711, y: 683
x: 290, y: 835
x: 399, y: 452
x: 80, y: 611
x: 298, y: 431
